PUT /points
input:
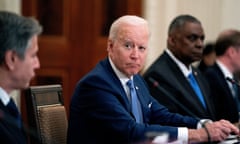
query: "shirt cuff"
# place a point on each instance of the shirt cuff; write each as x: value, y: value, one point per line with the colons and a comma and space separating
x: 183, y: 131
x: 183, y: 135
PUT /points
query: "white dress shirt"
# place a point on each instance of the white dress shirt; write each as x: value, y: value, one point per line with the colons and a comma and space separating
x: 226, y: 73
x: 4, y: 97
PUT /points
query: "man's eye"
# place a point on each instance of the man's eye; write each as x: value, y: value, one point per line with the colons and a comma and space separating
x: 142, y: 48
x: 202, y: 38
x: 192, y: 37
x: 129, y: 45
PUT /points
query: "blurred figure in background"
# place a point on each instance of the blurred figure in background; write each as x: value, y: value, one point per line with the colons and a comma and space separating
x: 221, y: 76
x: 18, y: 61
x: 208, y: 57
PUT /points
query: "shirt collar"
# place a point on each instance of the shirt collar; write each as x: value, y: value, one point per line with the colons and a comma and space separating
x: 122, y: 77
x: 4, y: 97
x: 224, y: 69
x: 186, y: 71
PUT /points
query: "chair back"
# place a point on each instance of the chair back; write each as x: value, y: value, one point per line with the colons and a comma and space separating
x: 46, y: 114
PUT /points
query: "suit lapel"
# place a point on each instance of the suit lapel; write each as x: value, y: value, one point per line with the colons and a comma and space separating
x: 175, y: 75
x: 141, y: 96
x: 222, y: 80
x: 180, y: 82
x: 117, y: 87
x: 203, y: 90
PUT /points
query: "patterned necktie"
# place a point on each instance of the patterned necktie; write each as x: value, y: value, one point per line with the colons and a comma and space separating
x: 234, y: 90
x: 196, y: 88
x: 14, y: 112
x: 136, y: 108
x: 236, y: 93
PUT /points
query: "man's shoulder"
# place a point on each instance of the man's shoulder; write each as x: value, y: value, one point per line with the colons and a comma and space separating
x: 213, y: 70
x: 214, y: 75
x: 161, y: 63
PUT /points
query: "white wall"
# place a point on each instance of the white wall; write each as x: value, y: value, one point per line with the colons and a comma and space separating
x: 10, y: 5
x: 215, y: 16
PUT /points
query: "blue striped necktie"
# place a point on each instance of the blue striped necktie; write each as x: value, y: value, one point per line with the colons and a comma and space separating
x: 196, y: 88
x: 135, y: 104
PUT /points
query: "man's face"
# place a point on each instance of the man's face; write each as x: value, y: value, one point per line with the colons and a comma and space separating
x: 235, y: 59
x: 187, y: 42
x: 23, y: 70
x: 128, y: 51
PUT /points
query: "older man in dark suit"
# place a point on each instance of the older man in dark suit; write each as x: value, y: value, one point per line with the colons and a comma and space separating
x: 112, y: 104
x: 171, y: 78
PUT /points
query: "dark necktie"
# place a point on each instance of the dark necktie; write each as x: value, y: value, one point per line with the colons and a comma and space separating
x: 235, y: 91
x: 135, y: 104
x: 14, y: 112
x: 196, y: 88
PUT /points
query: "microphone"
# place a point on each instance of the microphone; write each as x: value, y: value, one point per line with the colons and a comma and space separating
x: 232, y: 81
x: 155, y: 84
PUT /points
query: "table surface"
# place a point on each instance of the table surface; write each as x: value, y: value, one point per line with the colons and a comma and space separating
x: 232, y: 139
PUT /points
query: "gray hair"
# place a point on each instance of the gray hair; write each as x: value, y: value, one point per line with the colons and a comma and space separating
x: 180, y: 20
x: 15, y: 33
x: 127, y: 19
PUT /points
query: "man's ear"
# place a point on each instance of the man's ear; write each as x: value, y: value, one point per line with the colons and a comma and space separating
x: 10, y: 58
x: 171, y: 40
x: 230, y: 51
x: 109, y: 45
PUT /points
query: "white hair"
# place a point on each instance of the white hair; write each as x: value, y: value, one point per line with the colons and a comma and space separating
x: 127, y: 19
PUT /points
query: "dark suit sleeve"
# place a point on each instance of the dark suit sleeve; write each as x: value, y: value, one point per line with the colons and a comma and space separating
x: 166, y: 94
x: 100, y: 111
x: 103, y: 113
x: 224, y: 102
x: 170, y: 87
x: 9, y: 132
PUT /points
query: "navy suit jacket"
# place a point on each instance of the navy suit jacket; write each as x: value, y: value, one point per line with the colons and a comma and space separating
x: 100, y: 111
x: 170, y: 87
x: 9, y: 131
x: 226, y: 107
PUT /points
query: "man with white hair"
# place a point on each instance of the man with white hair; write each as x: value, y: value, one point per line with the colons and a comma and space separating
x: 112, y: 104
